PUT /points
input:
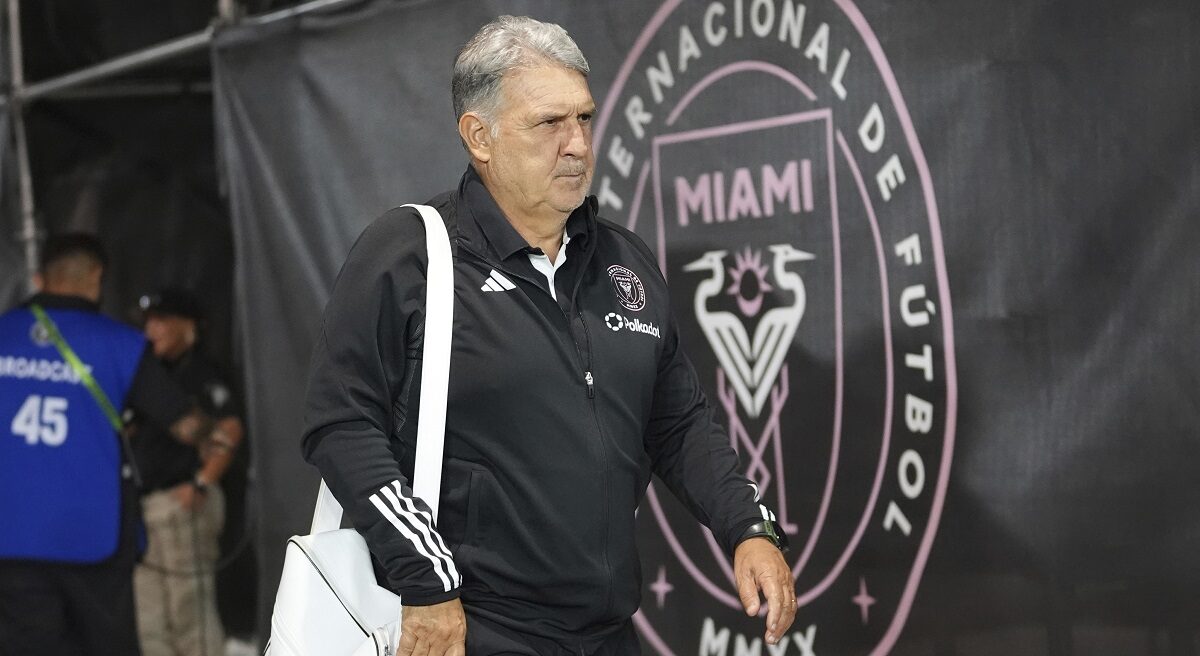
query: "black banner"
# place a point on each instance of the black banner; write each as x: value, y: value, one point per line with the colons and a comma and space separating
x: 770, y: 159
x: 933, y: 262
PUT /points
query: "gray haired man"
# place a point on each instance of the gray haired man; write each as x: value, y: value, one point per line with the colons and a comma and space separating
x: 555, y: 421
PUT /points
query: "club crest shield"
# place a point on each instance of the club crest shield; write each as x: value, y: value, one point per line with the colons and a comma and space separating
x: 763, y: 152
x: 628, y: 288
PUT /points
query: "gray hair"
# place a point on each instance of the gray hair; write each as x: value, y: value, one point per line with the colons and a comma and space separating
x: 503, y: 45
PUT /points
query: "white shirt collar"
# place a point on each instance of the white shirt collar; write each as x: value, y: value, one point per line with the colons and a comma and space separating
x: 541, y: 262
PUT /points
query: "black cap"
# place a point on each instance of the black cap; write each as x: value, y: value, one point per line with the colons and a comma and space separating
x: 171, y: 301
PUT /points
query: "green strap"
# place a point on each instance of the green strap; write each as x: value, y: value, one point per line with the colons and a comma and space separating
x: 81, y: 370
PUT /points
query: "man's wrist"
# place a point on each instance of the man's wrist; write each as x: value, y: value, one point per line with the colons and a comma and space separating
x: 429, y: 598
x: 766, y: 529
x: 201, y: 484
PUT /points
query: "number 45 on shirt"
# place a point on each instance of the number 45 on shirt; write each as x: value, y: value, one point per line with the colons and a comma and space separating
x: 42, y: 418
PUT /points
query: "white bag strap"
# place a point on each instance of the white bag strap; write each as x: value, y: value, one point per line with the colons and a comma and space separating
x: 435, y: 377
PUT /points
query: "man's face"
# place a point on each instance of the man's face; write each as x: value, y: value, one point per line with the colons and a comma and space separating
x: 542, y: 150
x: 170, y: 335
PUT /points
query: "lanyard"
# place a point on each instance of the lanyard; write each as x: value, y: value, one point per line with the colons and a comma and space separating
x: 81, y: 370
x: 89, y: 382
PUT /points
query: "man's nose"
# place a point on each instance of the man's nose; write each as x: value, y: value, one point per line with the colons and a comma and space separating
x: 578, y: 139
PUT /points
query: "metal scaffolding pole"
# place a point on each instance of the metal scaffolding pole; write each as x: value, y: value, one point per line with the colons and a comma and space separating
x: 227, y: 10
x: 133, y: 61
x: 29, y: 229
x: 135, y: 90
x: 154, y: 54
x: 298, y: 10
x: 21, y: 95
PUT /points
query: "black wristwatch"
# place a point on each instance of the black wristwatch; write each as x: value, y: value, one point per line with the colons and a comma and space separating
x: 199, y: 484
x: 769, y: 530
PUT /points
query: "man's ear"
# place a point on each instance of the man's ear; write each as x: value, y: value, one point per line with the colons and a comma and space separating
x: 39, y: 281
x: 476, y: 135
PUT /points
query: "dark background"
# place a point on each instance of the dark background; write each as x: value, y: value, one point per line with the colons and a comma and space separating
x: 132, y: 159
x: 1064, y: 145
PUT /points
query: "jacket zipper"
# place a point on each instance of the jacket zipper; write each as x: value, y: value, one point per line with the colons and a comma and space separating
x: 591, y: 394
x: 587, y: 336
x: 589, y: 381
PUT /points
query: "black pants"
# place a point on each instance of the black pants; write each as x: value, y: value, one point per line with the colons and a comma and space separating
x: 64, y: 609
x: 486, y: 638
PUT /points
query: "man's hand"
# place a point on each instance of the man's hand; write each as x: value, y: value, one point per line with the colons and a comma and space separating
x: 188, y: 496
x: 759, y: 565
x: 437, y: 630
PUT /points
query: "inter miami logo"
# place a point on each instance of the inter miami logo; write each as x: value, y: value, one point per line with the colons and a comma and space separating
x: 751, y: 365
x: 630, y: 293
x: 764, y: 152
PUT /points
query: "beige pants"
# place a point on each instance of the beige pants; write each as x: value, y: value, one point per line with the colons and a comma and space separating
x: 174, y: 587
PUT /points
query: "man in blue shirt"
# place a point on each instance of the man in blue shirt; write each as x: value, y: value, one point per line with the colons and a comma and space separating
x: 67, y: 497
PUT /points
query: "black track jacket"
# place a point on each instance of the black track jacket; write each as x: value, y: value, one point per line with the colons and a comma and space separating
x: 558, y: 413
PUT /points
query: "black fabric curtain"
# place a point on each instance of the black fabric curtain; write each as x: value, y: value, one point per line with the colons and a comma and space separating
x: 981, y: 411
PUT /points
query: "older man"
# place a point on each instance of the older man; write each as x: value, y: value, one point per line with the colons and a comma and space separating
x: 555, y: 420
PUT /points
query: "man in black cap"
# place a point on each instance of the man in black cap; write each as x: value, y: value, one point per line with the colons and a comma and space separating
x: 67, y: 497
x: 183, y: 506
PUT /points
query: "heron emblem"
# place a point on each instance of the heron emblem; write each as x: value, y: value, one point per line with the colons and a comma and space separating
x: 751, y: 365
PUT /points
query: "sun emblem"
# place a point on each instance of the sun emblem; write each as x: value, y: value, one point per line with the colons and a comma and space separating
x: 748, y: 290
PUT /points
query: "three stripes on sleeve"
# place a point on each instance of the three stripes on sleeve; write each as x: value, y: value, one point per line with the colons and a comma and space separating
x: 416, y: 526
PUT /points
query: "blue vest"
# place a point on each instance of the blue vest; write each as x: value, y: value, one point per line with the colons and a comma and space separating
x: 60, y: 459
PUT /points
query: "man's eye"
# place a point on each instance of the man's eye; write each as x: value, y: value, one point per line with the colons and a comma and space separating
x: 550, y: 121
x: 585, y: 118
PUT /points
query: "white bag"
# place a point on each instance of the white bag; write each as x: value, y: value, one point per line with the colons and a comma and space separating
x: 328, y: 603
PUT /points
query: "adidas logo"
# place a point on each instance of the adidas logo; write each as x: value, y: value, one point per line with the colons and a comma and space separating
x: 497, y: 283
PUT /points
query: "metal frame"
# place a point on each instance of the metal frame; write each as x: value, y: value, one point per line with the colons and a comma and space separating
x: 29, y: 232
x: 69, y: 86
